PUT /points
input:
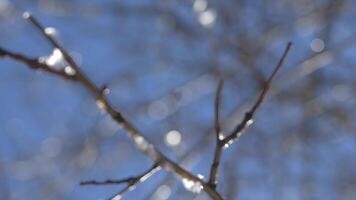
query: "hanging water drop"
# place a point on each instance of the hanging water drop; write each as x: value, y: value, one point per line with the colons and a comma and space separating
x: 69, y: 71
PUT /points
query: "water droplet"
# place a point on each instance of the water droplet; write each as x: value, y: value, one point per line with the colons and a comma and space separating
x: 201, y: 176
x: 106, y: 91
x: 101, y: 105
x: 141, y: 142
x: 249, y: 122
x: 191, y: 185
x: 69, y: 71
x: 227, y: 145
x: 55, y: 60
x: 117, y: 197
x: 173, y: 138
x: 221, y: 136
x: 51, y: 31
x: 26, y: 15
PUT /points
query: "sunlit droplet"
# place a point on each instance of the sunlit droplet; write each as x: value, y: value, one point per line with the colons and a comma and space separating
x: 117, y: 197
x: 51, y: 31
x: 173, y: 138
x: 26, y: 15
x: 55, y: 60
x: 69, y: 71
x: 317, y: 45
x: 249, y: 122
x: 191, y: 185
x: 141, y: 142
x: 200, y: 5
x: 207, y: 18
x: 221, y: 136
x: 101, y: 105
x: 106, y: 91
x: 200, y: 176
x: 227, y: 145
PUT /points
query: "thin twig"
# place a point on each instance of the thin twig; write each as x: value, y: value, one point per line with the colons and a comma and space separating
x: 108, y: 182
x: 247, y: 120
x: 131, y: 181
x: 140, y: 141
x: 218, y: 147
x: 138, y: 179
x: 217, y: 106
x: 220, y: 143
x: 34, y: 63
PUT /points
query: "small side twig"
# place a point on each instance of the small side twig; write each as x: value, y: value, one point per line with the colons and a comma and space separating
x: 130, y: 181
x: 35, y: 64
x: 218, y: 147
x: 246, y: 121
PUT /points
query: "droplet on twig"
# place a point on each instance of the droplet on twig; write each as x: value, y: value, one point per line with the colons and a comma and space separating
x: 105, y: 90
x: 101, y: 105
x: 51, y: 31
x: 227, y: 145
x: 69, y: 71
x: 117, y: 197
x: 26, y: 15
x: 249, y: 123
x: 55, y: 60
x: 193, y: 186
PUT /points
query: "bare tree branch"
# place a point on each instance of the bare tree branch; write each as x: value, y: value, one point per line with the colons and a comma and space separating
x: 247, y: 120
x: 140, y: 141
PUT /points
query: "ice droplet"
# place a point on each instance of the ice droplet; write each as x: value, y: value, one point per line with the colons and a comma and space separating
x: 249, y: 122
x: 69, y: 71
x: 55, y: 60
x: 228, y: 144
x: 26, y: 15
x: 193, y: 186
x: 101, y: 105
x: 141, y: 142
x: 221, y: 136
x: 51, y: 31
x: 117, y: 197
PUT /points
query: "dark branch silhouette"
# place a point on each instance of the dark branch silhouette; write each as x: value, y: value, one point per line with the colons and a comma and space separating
x: 130, y: 181
x: 246, y: 121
